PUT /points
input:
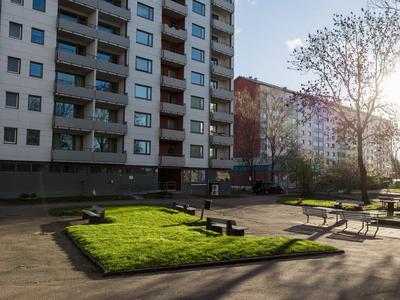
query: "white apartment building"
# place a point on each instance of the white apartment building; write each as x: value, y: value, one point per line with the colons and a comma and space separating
x: 100, y: 93
x: 315, y: 136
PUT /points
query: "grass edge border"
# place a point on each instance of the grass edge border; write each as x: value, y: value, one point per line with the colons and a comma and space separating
x: 107, y: 272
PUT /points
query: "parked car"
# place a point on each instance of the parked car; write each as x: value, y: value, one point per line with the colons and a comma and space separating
x: 268, y: 188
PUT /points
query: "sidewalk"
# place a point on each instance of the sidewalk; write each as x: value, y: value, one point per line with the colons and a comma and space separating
x: 52, y: 268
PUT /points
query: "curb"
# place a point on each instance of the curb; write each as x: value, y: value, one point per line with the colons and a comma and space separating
x: 107, y: 272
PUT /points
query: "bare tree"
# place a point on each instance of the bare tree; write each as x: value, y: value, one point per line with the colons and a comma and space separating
x: 351, y: 63
x: 247, y: 128
x: 385, y: 4
x: 279, y: 134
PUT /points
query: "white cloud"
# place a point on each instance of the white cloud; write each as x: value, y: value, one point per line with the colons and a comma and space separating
x: 294, y: 43
x: 238, y: 30
x: 238, y: 2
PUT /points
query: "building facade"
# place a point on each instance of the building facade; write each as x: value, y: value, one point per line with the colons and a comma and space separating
x: 315, y: 136
x: 95, y: 94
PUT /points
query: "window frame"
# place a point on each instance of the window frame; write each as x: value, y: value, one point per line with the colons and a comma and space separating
x: 201, y: 55
x: 200, y: 125
x: 19, y: 3
x: 148, y: 35
x: 15, y: 135
x: 202, y: 6
x: 147, y: 150
x: 20, y: 30
x: 201, y: 147
x: 201, y: 101
x: 39, y: 30
x: 41, y: 69
x: 148, y: 88
x: 203, y: 31
x: 151, y: 11
x: 201, y: 77
x: 148, y: 119
x: 149, y: 64
x: 44, y: 5
x: 16, y: 102
x: 40, y: 103
x: 37, y: 143
x: 19, y: 65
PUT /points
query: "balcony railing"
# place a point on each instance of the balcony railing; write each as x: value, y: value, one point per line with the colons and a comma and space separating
x: 222, y: 72
x: 223, y: 6
x: 221, y: 139
x: 176, y: 83
x: 176, y: 9
x: 75, y: 57
x: 222, y: 27
x: 177, y: 134
x: 221, y: 162
x: 221, y: 116
x: 73, y: 89
x: 222, y: 94
x: 173, y: 33
x: 172, y: 108
x: 169, y: 159
x: 223, y: 49
x: 173, y: 58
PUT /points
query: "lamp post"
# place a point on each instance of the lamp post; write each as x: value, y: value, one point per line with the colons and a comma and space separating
x: 287, y: 179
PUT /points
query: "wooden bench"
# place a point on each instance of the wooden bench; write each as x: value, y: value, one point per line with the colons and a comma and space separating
x: 383, y: 199
x: 361, y: 217
x: 357, y: 205
x: 93, y: 217
x: 311, y: 211
x: 230, y: 225
x: 183, y: 207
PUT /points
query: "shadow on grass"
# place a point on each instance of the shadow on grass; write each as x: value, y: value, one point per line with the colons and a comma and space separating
x: 207, y: 233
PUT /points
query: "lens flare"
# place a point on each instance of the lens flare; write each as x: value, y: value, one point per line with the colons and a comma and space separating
x: 94, y: 193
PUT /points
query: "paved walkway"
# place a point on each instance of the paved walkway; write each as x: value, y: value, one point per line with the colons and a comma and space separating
x: 52, y: 268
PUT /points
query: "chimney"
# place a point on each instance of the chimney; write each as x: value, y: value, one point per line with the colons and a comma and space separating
x: 255, y: 78
x: 250, y: 77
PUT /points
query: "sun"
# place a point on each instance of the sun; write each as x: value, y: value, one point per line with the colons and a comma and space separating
x: 392, y: 88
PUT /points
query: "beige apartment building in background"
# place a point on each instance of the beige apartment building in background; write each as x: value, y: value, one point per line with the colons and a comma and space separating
x: 95, y: 94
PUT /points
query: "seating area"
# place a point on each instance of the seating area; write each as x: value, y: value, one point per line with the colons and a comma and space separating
x: 357, y: 205
x: 183, y: 207
x: 217, y: 225
x: 311, y: 211
x: 364, y: 217
x: 93, y: 217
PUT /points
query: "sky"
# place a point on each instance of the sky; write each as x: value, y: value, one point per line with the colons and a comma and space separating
x: 267, y: 31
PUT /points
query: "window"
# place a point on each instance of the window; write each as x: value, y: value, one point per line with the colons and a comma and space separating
x: 13, y: 64
x: 171, y: 124
x: 108, y: 57
x: 144, y: 38
x: 302, y: 132
x: 143, y: 92
x: 10, y: 135
x: 213, y: 84
x: 103, y: 114
x: 143, y: 64
x: 196, y: 151
x: 333, y: 154
x: 105, y: 144
x: 106, y: 86
x: 198, y: 31
x: 15, y: 31
x: 198, y: 54
x: 39, y: 4
x: 309, y: 133
x: 309, y: 124
x: 142, y: 119
x: 36, y: 70
x: 12, y: 100
x: 37, y: 36
x: 197, y: 102
x: 63, y: 141
x: 213, y: 153
x: 32, y: 137
x: 327, y: 145
x: 7, y: 167
x: 196, y: 126
x: 309, y: 143
x: 197, y: 78
x: 214, y: 61
x: 66, y: 15
x: 142, y: 147
x: 199, y: 8
x: 23, y: 167
x: 302, y: 141
x: 17, y: 2
x: 327, y: 153
x: 109, y: 28
x: 333, y: 146
x: 145, y: 11
x: 71, y: 79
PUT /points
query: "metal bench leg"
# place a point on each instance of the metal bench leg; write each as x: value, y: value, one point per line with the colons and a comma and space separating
x: 307, y: 218
x: 361, y: 228
x: 324, y: 221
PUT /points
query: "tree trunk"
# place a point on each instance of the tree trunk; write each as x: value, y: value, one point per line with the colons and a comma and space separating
x: 363, y: 171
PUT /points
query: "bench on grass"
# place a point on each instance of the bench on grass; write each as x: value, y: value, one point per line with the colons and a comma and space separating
x: 383, y: 199
x: 357, y: 205
x: 361, y: 217
x: 230, y: 225
x: 311, y: 211
x: 183, y: 207
x: 93, y: 217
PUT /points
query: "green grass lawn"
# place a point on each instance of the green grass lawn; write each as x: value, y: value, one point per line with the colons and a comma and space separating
x: 140, y: 236
x: 294, y: 200
x: 65, y: 199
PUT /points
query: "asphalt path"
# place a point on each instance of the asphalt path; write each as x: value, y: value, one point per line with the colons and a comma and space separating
x: 51, y: 267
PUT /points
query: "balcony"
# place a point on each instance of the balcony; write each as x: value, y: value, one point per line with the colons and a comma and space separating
x: 110, y: 127
x: 113, y: 39
x: 173, y: 59
x: 222, y: 72
x: 84, y: 30
x: 85, y: 124
x: 221, y: 94
x: 118, y: 157
x: 221, y: 139
x: 222, y: 49
x: 176, y: 9
x: 172, y: 134
x: 222, y: 28
x: 120, y: 98
x: 84, y: 61
x: 78, y: 155
x: 221, y: 117
x: 69, y: 89
x: 172, y: 109
x: 223, y: 7
x: 177, y: 160
x: 120, y: 69
x: 113, y: 10
x: 85, y: 6
x: 175, y: 84
x: 174, y: 34
x: 221, y: 163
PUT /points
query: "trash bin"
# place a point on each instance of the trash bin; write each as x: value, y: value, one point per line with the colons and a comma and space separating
x: 207, y: 204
